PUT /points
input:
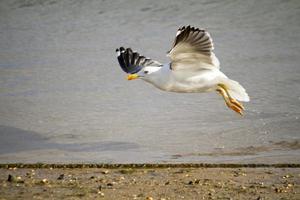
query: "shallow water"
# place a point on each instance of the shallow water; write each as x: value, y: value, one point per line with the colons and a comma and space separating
x: 63, y: 97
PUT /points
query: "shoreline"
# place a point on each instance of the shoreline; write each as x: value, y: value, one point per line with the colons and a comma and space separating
x: 146, y: 165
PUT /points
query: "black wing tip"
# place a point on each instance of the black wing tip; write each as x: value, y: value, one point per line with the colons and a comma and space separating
x: 127, y: 58
x: 131, y: 61
x: 120, y: 49
x: 191, y: 28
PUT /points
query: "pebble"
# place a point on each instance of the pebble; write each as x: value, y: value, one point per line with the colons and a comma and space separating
x: 11, y: 178
x: 99, y: 187
x: 111, y: 184
x: 289, y: 185
x: 101, y: 194
x: 287, y: 176
x: 149, y: 198
x: 14, y: 179
x: 278, y: 190
x: 44, y: 181
x: 61, y: 177
x: 190, y: 183
x: 197, y: 181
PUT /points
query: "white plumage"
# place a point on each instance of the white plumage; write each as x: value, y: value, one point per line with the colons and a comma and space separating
x: 193, y: 68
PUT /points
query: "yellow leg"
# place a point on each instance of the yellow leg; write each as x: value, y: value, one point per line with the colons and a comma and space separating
x: 232, y: 100
x: 228, y: 101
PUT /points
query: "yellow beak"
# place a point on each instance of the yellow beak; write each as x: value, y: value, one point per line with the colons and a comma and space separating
x: 132, y: 76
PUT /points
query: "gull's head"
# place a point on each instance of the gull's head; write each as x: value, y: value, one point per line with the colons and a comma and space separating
x: 146, y: 73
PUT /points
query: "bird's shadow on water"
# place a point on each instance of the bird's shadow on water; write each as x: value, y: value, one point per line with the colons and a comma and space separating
x: 14, y: 140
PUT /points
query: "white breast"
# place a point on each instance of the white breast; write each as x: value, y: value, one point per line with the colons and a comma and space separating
x: 186, y: 81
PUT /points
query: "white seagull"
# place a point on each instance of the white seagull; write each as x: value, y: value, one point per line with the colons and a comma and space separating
x: 193, y: 68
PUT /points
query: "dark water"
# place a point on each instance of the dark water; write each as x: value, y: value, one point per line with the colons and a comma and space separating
x: 63, y: 97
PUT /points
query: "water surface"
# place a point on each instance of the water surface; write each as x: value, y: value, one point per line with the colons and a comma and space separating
x: 63, y: 97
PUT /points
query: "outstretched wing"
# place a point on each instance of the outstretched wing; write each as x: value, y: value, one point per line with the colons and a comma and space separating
x: 132, y: 62
x: 193, y: 50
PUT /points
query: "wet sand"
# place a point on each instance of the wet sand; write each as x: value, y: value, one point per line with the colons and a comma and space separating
x: 149, y: 182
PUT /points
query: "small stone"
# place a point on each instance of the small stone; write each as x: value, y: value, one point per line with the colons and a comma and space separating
x: 197, y: 181
x: 149, y: 198
x: 105, y: 172
x: 61, y: 177
x: 191, y: 183
x: 14, y: 179
x: 11, y: 178
x: 110, y: 184
x: 287, y: 176
x: 278, y: 190
x: 289, y: 185
x: 44, y: 181
x: 101, y: 194
x: 167, y: 183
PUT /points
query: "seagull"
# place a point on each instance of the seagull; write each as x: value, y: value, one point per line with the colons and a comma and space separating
x: 194, y: 68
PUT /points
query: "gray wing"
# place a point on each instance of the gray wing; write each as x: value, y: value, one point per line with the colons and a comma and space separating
x: 132, y: 62
x: 192, y: 49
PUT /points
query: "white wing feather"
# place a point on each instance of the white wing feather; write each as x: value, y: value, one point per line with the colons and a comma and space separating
x: 192, y: 50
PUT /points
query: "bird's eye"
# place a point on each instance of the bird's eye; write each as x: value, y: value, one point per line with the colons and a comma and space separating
x: 146, y: 72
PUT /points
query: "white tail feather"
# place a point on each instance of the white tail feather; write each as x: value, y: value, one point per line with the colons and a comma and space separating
x: 235, y: 90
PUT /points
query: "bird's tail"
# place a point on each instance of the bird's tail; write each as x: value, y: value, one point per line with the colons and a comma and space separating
x: 235, y: 90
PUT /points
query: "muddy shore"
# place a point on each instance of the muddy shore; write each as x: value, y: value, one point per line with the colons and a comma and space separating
x: 182, y: 181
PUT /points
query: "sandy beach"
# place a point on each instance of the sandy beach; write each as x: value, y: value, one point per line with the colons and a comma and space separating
x: 149, y: 182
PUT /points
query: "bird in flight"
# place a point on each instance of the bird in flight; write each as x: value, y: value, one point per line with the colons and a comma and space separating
x: 194, y: 68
